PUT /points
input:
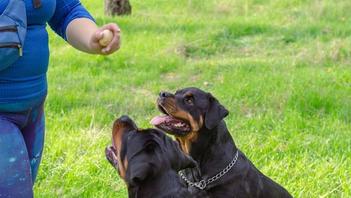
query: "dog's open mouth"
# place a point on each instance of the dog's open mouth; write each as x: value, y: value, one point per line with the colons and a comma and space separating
x: 171, y: 125
x: 111, y: 155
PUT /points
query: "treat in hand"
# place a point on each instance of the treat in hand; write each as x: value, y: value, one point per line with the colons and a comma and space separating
x: 107, y: 37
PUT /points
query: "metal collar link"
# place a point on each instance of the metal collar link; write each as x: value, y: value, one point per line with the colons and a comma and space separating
x: 203, y: 183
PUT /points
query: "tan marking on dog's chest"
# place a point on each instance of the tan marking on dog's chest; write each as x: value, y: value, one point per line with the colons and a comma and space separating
x: 185, y: 142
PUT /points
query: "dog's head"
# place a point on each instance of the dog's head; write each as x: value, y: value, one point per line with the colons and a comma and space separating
x: 187, y: 112
x: 139, y: 154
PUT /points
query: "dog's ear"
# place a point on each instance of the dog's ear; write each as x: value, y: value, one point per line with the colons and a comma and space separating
x: 146, y: 164
x: 122, y: 125
x: 215, y: 112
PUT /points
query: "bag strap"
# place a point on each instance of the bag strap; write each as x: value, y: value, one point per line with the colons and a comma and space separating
x: 37, y: 3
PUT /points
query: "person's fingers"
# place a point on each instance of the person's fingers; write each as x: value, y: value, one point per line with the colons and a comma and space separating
x: 115, y: 42
x: 97, y: 35
x: 113, y: 27
x: 114, y: 46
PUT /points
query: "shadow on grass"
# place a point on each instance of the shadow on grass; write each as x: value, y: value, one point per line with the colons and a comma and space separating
x: 311, y: 102
x: 239, y: 35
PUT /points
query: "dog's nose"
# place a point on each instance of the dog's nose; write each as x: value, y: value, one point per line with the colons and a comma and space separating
x: 164, y: 94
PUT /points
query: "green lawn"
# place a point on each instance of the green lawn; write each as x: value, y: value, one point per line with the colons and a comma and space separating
x: 282, y: 69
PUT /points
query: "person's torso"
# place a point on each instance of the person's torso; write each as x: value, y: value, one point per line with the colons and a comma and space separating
x: 24, y: 82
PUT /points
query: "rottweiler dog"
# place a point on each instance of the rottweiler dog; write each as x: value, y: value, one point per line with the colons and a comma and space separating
x: 148, y: 161
x: 195, y: 118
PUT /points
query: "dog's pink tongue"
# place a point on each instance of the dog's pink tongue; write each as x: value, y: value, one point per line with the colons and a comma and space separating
x: 159, y: 119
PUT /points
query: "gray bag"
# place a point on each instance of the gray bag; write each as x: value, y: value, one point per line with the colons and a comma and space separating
x: 13, y: 28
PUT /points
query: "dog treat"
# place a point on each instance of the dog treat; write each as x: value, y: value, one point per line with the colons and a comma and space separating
x: 107, y: 36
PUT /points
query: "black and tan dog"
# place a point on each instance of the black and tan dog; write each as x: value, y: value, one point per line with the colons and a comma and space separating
x: 148, y: 161
x: 195, y: 118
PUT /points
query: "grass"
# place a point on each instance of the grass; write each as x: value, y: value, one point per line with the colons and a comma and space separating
x: 282, y: 68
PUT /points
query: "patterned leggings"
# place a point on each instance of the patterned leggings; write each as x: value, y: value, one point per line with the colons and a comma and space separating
x: 21, y: 146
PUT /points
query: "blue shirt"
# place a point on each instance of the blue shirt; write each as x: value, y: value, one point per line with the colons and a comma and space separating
x: 24, y: 84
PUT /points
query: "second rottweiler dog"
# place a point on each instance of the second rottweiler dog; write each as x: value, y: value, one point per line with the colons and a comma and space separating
x: 196, y: 119
x: 148, y: 161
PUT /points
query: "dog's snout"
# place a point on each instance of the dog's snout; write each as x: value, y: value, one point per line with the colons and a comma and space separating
x: 164, y: 94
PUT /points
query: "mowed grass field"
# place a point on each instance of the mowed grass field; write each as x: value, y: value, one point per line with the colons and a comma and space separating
x: 282, y: 69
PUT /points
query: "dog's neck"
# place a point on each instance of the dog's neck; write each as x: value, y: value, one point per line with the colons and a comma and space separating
x: 212, y: 149
x: 158, y: 186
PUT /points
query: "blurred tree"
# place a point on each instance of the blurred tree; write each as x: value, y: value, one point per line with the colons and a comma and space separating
x: 117, y: 7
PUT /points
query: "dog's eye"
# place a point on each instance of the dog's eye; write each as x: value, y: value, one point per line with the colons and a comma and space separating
x: 189, y: 99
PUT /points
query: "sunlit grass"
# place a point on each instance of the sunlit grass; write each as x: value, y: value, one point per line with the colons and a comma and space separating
x: 282, y: 68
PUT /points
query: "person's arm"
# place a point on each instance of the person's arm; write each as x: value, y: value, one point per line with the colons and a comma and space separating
x: 74, y: 23
x: 83, y: 34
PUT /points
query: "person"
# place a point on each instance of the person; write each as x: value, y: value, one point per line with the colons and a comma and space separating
x: 23, y: 86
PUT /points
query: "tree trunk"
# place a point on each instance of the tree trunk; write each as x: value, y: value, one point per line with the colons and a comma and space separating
x: 117, y: 7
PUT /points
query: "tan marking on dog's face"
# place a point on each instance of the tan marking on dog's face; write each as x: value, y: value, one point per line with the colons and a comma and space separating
x: 173, y: 110
x: 125, y: 164
x: 169, y: 105
x: 184, y: 141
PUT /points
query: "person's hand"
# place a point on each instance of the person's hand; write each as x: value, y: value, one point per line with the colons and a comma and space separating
x: 113, y: 45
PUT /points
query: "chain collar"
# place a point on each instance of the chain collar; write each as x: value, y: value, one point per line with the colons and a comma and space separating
x: 203, y: 183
